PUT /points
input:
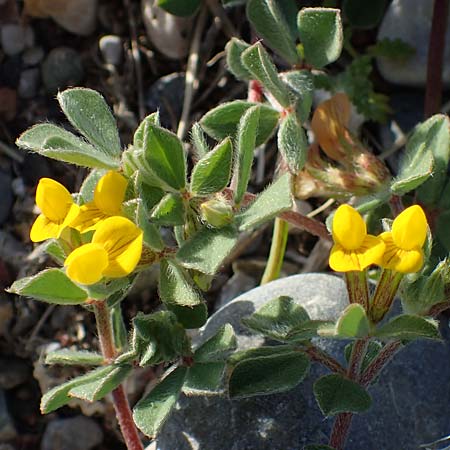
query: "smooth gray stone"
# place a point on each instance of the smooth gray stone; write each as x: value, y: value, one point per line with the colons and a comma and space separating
x: 410, y: 405
x: 76, y: 433
x: 410, y: 21
x: 62, y: 68
x: 29, y: 83
x: 15, y: 38
x: 111, y: 48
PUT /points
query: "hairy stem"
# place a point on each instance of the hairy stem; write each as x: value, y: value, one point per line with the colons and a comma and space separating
x: 277, y: 249
x: 343, y: 421
x: 120, y: 401
x: 318, y: 355
x: 436, y: 46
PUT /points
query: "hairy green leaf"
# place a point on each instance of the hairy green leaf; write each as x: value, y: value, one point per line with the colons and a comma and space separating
x: 152, y: 411
x: 180, y: 8
x: 234, y: 49
x: 353, y: 322
x: 169, y: 211
x: 51, y: 286
x: 321, y: 34
x: 88, y: 112
x: 336, y: 394
x: 292, y: 143
x: 217, y: 347
x: 204, y: 379
x: 74, y: 357
x: 268, y: 374
x: 272, y: 201
x: 409, y: 327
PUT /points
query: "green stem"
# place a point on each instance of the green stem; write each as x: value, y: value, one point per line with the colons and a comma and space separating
x: 277, y: 249
x: 123, y: 412
x: 356, y: 282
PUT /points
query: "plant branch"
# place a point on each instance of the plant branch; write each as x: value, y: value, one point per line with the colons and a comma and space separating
x: 380, y: 361
x: 436, y: 46
x: 318, y: 355
x: 120, y: 401
x: 277, y: 250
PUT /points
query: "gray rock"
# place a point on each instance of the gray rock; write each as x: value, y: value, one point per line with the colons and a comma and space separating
x: 239, y: 283
x: 33, y: 56
x: 13, y: 372
x: 76, y: 433
x: 111, y: 47
x: 410, y: 401
x: 166, y: 94
x: 29, y: 83
x: 15, y: 38
x: 410, y: 21
x: 7, y: 430
x: 62, y: 68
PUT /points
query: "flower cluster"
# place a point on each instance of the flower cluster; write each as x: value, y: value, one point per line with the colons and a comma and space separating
x: 399, y: 250
x: 115, y: 246
x: 338, y: 163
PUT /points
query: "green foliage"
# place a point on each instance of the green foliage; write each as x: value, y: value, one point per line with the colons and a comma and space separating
x: 272, y: 22
x: 169, y: 211
x: 321, y: 34
x: 152, y: 411
x: 258, y: 62
x: 246, y: 143
x: 217, y: 347
x: 373, y: 348
x: 56, y: 143
x: 165, y: 156
x: 301, y: 84
x: 418, y: 160
x: 336, y: 394
x: 409, y: 327
x: 270, y: 203
x: 234, y: 50
x: 88, y: 112
x: 223, y: 120
x: 175, y: 285
x: 277, y: 318
x: 212, y: 173
x: 207, y: 249
x: 204, y: 379
x: 181, y: 8
x: 353, y: 322
x: 364, y: 14
x: 292, y: 143
x: 159, y: 337
x: 74, y: 358
x: 393, y: 49
x: 51, y: 286
x: 261, y: 375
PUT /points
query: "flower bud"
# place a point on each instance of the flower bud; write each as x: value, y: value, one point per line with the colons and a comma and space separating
x: 216, y: 213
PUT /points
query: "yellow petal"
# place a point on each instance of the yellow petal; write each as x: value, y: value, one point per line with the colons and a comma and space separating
x: 409, y: 229
x: 110, y: 193
x: 395, y: 258
x: 122, y: 240
x: 349, y: 228
x: 343, y: 260
x: 370, y: 252
x: 329, y: 123
x: 43, y: 229
x: 88, y: 218
x: 85, y: 265
x: 53, y: 199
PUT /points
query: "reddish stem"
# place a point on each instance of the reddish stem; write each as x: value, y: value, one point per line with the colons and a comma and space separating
x: 120, y: 401
x: 318, y: 355
x: 436, y: 46
x: 340, y: 430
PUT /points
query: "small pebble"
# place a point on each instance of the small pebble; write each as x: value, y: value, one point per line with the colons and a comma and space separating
x: 15, y: 39
x: 29, y: 83
x: 33, y: 56
x: 62, y: 68
x: 111, y: 49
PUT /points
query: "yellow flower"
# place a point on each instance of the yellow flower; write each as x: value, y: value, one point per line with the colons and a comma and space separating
x: 57, y: 210
x: 114, y: 252
x: 109, y: 195
x: 329, y: 124
x: 353, y: 248
x: 404, y: 242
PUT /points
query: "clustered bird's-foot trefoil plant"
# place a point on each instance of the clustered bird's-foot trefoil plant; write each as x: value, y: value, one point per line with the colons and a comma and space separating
x: 140, y: 206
